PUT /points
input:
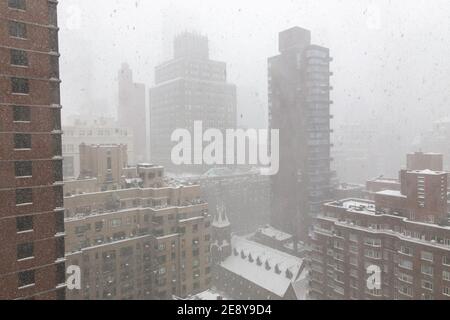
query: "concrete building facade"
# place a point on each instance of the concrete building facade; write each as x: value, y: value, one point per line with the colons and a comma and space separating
x: 101, y: 131
x: 132, y: 111
x: 299, y: 106
x: 190, y: 87
x: 103, y: 162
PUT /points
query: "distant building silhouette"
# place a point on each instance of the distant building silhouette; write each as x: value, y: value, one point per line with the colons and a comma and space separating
x: 188, y: 88
x: 132, y: 111
x: 299, y: 106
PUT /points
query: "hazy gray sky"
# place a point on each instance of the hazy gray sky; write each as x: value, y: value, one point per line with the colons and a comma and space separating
x: 391, y: 58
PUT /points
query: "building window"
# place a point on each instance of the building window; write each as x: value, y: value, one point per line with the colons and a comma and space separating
x: 22, y: 141
x: 24, y: 223
x: 25, y: 250
x: 406, y: 250
x: 57, y: 146
x: 54, y: 67
x: 20, y: 86
x: 55, y: 93
x: 23, y: 168
x: 26, y: 278
x: 18, y: 29
x: 446, y: 291
x: 17, y: 4
x: 446, y: 275
x: 58, y: 196
x: 22, y: 114
x: 56, y: 116
x: 24, y: 196
x: 116, y: 223
x: 59, y: 222
x: 59, y: 247
x: 60, y: 273
x: 446, y: 260
x: 58, y: 170
x: 19, y: 57
x: 53, y: 40
x: 428, y: 256
x: 428, y: 270
x: 427, y: 285
x: 61, y: 294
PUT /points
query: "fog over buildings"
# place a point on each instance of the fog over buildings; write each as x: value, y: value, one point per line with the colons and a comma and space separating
x: 390, y: 58
x: 351, y: 177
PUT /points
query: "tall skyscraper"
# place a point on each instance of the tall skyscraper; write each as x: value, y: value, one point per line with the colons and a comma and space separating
x: 32, y: 264
x: 189, y: 88
x: 131, y: 112
x: 299, y: 106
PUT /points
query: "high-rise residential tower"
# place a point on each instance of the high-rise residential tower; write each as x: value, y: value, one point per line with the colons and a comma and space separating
x: 188, y: 88
x: 131, y: 111
x: 32, y: 264
x: 299, y: 106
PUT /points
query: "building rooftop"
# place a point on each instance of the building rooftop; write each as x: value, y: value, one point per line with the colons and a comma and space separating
x: 392, y: 193
x: 385, y: 180
x: 349, y: 186
x: 428, y: 172
x: 267, y: 268
x: 359, y: 205
x: 273, y: 233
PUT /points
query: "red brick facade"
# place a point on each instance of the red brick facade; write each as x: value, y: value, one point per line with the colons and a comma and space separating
x: 31, y: 223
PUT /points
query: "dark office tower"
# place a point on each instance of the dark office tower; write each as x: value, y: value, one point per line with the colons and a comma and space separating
x: 188, y: 88
x: 131, y: 112
x: 32, y: 263
x: 299, y: 106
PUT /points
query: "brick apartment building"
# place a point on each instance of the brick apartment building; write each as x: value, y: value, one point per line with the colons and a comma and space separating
x: 404, y: 232
x: 422, y: 161
x: 32, y: 264
x: 150, y: 241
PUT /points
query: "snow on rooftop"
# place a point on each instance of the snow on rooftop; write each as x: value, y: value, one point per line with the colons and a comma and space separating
x: 392, y: 193
x: 355, y: 203
x: 427, y: 171
x: 386, y: 180
x: 264, y: 266
x: 273, y: 233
